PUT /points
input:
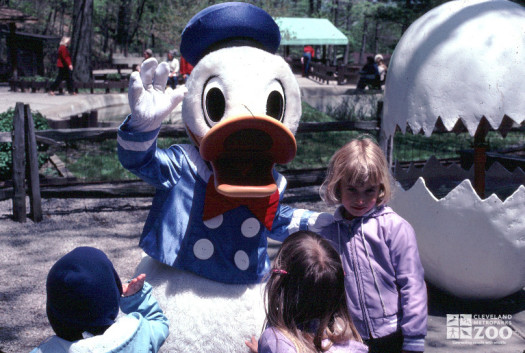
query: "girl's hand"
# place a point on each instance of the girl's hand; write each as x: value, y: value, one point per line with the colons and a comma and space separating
x: 134, y: 286
x: 252, y: 344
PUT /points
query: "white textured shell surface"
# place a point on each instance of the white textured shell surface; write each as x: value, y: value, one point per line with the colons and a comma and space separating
x: 462, y: 60
x: 469, y: 247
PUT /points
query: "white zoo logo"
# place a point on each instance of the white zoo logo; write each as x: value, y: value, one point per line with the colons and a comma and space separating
x: 464, y: 326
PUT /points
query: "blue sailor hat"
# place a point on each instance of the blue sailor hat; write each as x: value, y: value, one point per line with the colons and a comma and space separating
x: 229, y: 22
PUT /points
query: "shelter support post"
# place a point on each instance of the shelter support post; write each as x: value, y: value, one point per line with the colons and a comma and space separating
x: 480, y: 157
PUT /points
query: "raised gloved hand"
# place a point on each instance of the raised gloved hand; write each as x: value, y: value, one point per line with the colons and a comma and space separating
x: 149, y: 102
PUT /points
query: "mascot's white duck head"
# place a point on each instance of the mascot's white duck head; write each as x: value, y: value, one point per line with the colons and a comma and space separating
x: 243, y: 103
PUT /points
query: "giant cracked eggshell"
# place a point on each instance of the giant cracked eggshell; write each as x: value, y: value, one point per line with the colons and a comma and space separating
x: 469, y: 247
x: 462, y: 60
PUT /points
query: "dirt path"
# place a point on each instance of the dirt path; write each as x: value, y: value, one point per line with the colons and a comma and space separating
x: 28, y: 250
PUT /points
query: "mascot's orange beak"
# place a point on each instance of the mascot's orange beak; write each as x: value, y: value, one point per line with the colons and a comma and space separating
x: 243, y: 150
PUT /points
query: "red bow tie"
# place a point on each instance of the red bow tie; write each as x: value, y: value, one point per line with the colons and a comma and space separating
x: 264, y: 208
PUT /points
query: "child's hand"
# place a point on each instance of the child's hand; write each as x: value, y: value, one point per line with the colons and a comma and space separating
x: 252, y: 344
x: 134, y: 286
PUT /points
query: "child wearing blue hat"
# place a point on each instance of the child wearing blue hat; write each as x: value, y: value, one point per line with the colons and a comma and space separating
x: 84, y: 293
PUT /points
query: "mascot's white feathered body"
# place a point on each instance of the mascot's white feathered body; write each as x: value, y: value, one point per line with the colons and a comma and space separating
x: 217, y: 200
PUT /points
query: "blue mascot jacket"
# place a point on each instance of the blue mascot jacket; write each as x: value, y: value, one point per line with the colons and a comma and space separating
x: 229, y: 248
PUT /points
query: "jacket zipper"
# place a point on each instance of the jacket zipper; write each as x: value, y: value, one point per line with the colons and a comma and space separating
x: 372, y: 269
x: 359, y: 286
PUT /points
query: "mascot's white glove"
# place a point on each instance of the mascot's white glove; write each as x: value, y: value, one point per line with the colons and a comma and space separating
x: 148, y: 101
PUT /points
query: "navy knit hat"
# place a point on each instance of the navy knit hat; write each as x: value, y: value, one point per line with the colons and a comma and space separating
x: 226, y: 22
x: 83, y: 293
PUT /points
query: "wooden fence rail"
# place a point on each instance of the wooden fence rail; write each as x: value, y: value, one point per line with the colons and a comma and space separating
x: 58, y: 188
x: 35, y: 86
x: 107, y: 133
x: 71, y: 188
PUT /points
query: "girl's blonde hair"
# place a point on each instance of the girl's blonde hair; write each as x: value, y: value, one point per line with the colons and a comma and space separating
x: 358, y: 162
x: 305, y: 294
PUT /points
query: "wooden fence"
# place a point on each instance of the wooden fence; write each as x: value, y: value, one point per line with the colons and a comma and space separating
x: 67, y: 186
x: 36, y: 86
x: 341, y: 74
x: 25, y: 154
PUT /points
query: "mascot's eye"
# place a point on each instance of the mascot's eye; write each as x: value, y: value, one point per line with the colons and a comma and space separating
x: 213, y: 102
x: 275, y: 105
x: 275, y: 102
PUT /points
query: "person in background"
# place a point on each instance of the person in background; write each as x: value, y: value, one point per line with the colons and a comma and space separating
x: 65, y: 68
x: 385, y: 286
x: 369, y: 75
x: 381, y: 68
x: 185, y: 69
x: 148, y: 53
x: 306, y: 59
x: 84, y: 293
x: 306, y: 310
x: 174, y: 69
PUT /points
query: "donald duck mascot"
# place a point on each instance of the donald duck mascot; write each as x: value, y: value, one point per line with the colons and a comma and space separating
x: 219, y: 199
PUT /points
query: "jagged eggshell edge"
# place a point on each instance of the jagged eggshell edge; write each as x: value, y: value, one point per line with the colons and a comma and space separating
x: 469, y: 247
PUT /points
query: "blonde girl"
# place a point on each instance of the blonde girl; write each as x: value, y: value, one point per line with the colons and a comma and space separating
x: 384, y: 279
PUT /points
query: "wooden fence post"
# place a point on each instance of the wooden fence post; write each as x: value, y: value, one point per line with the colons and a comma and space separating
x: 32, y: 161
x: 385, y: 142
x: 19, y: 197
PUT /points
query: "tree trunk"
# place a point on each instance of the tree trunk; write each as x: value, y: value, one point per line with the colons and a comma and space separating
x: 349, y: 16
x: 124, y: 25
x: 335, y: 6
x: 376, y: 36
x: 363, y: 40
x: 81, y: 40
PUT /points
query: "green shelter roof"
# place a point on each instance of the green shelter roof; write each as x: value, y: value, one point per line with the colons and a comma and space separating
x: 314, y: 31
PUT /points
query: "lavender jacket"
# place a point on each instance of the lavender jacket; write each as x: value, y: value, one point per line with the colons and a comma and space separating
x: 274, y: 341
x: 384, y: 278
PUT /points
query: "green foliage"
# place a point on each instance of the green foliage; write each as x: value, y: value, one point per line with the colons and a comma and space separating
x: 36, y: 78
x: 315, y: 149
x: 113, y: 77
x: 94, y: 161
x: 6, y: 159
x: 98, y: 161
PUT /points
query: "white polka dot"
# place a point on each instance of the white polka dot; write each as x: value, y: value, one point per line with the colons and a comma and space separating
x: 203, y: 249
x: 250, y: 227
x: 214, y: 222
x: 242, y: 261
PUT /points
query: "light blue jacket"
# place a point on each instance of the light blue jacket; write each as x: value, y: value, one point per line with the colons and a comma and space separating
x: 144, y: 329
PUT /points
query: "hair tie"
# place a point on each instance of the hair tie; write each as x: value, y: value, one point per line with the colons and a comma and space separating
x: 279, y: 271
